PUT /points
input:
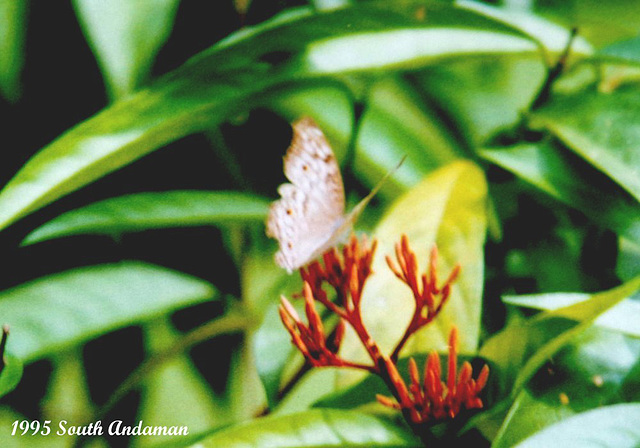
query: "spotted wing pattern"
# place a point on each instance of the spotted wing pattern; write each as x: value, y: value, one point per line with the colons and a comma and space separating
x: 311, y: 207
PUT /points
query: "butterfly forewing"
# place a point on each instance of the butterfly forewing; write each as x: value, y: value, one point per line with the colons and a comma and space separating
x: 312, y: 205
x: 312, y: 167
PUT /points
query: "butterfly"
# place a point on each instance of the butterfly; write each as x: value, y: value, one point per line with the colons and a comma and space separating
x: 310, y: 218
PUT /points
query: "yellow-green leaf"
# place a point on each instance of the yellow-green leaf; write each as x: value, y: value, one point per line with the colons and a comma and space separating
x: 447, y: 208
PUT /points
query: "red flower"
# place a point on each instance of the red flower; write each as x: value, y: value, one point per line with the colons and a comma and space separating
x: 428, y: 296
x: 429, y: 398
x: 425, y: 399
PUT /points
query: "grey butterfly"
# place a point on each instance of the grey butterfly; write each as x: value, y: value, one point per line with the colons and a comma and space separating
x: 310, y: 218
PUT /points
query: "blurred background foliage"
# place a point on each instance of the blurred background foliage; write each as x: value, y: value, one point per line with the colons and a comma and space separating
x: 142, y: 143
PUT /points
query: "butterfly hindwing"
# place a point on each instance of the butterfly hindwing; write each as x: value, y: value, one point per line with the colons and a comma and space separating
x: 312, y: 205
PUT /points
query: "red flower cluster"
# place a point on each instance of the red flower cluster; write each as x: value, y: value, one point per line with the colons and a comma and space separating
x: 346, y: 273
x: 424, y: 287
x: 347, y: 276
x: 432, y: 399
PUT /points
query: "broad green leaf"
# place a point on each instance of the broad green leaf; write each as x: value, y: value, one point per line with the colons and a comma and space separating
x: 573, y: 182
x: 588, y: 373
x: 12, y: 33
x: 245, y: 391
x: 487, y: 95
x: 526, y: 416
x: 624, y: 51
x: 484, y: 95
x: 10, y: 375
x: 315, y: 428
x: 601, y: 128
x: 586, y: 313
x: 55, y: 312
x: 601, y: 23
x: 273, y: 348
x: 141, y: 211
x: 551, y: 36
x: 224, y: 79
x: 523, y: 347
x: 313, y: 386
x: 263, y: 282
x: 630, y: 389
x: 609, y: 426
x: 175, y: 394
x: 68, y: 397
x: 448, y: 208
x: 125, y: 37
x: 624, y: 317
x: 398, y: 122
x: 361, y: 393
x: 404, y: 49
x: 628, y: 265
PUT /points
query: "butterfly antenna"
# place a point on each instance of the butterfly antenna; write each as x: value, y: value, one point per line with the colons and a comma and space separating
x: 357, y: 210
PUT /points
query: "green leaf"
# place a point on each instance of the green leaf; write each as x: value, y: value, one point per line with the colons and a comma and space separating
x: 263, y: 282
x: 609, y: 426
x: 623, y: 317
x: 12, y: 33
x: 398, y: 122
x: 552, y: 37
x: 586, y: 313
x: 573, y: 182
x: 54, y: 312
x: 224, y: 79
x: 602, y: 129
x: 272, y: 347
x: 245, y: 391
x: 527, y: 415
x: 314, y: 385
x: 630, y: 388
x: 361, y: 393
x: 523, y: 347
x: 484, y: 95
x: 624, y: 51
x: 175, y: 394
x: 590, y: 372
x: 68, y: 396
x: 628, y: 265
x: 125, y: 37
x: 142, y: 211
x: 599, y: 22
x: 448, y: 208
x: 10, y: 375
x: 315, y: 428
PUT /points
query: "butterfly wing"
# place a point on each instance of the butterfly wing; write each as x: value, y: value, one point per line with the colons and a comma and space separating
x: 312, y: 205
